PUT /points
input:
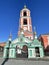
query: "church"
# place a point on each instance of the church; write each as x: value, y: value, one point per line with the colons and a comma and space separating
x: 26, y: 45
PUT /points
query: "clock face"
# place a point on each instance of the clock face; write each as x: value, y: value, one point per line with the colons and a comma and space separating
x: 25, y: 28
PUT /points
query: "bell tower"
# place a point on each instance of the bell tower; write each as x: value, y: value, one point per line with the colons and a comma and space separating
x: 25, y: 23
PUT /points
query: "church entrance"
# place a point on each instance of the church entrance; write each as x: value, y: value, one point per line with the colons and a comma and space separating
x: 25, y: 51
x: 22, y: 53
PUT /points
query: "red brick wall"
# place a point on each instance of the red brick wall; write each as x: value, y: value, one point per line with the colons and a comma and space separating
x: 44, y: 39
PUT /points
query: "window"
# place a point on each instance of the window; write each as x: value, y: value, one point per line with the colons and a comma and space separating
x: 24, y: 14
x: 37, y: 52
x: 25, y: 22
x: 11, y: 52
x: 30, y: 52
x: 1, y: 49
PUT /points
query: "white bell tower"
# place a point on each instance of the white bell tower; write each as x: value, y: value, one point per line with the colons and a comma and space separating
x: 25, y: 23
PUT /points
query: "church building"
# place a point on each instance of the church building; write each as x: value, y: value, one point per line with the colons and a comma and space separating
x: 26, y: 45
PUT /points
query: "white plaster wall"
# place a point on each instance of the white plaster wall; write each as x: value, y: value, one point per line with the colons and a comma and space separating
x: 41, y: 52
x: 4, y: 54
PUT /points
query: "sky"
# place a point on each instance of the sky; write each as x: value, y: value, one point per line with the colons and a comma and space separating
x: 10, y: 14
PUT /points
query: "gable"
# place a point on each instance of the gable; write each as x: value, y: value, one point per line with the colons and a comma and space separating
x: 36, y: 42
x: 22, y: 39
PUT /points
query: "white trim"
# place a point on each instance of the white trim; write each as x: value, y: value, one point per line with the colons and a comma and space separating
x: 25, y: 17
x: 24, y: 25
x: 28, y: 25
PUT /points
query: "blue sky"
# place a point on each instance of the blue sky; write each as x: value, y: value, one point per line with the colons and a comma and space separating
x: 10, y: 14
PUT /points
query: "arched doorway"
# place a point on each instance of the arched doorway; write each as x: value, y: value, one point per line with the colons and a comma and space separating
x: 25, y: 51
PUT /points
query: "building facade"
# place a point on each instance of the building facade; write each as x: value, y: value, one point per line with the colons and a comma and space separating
x: 2, y: 48
x: 45, y: 42
x: 24, y: 46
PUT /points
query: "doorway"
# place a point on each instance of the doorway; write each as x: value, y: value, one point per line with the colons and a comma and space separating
x: 37, y: 51
x: 23, y: 53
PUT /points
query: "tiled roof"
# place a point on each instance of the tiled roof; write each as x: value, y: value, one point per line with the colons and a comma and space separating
x: 44, y: 34
x: 2, y: 44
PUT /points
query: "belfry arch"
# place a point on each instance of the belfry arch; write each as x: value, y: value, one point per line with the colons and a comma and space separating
x: 24, y: 13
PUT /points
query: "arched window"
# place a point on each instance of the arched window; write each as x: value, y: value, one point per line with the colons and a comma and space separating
x: 25, y: 22
x: 24, y: 14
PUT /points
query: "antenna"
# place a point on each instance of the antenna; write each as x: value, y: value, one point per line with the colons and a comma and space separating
x: 10, y: 36
x: 34, y: 30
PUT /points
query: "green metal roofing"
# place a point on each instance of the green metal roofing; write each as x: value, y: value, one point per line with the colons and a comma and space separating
x: 36, y: 42
x: 22, y: 40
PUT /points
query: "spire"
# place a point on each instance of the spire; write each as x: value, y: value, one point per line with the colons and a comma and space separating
x: 10, y: 36
x: 24, y: 6
x: 35, y: 34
